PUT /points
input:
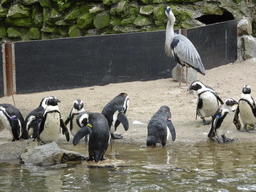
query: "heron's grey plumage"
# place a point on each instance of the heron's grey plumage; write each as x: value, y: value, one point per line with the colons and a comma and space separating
x: 180, y: 47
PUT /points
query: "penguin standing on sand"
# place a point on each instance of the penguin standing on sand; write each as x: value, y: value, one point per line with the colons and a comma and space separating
x: 247, y: 109
x: 11, y: 118
x: 96, y: 126
x: 222, y: 121
x: 35, y: 117
x: 51, y: 122
x: 77, y: 108
x: 208, y: 100
x: 158, y: 127
x: 115, y: 111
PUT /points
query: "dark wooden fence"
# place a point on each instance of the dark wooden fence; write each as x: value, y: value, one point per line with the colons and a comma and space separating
x: 99, y: 60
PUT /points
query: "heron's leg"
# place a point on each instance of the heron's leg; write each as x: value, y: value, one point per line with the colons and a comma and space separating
x: 186, y: 75
x: 181, y: 74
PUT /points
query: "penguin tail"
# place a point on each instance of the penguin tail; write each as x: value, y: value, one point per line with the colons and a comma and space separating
x: 151, y: 141
x: 97, y: 156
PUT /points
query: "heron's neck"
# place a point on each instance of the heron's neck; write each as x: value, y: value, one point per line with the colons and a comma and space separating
x: 168, y: 38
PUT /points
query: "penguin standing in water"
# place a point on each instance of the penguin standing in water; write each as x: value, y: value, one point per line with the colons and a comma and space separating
x: 222, y: 121
x: 96, y: 126
x: 115, y: 111
x: 247, y: 109
x: 11, y: 118
x: 158, y: 127
x: 208, y: 100
x: 35, y: 117
x: 51, y: 122
x: 77, y: 108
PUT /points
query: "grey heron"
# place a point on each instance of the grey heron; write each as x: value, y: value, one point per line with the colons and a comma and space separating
x: 181, y: 48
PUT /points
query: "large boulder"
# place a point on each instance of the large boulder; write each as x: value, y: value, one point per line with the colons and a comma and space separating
x: 49, y: 154
x: 176, y: 72
x: 244, y: 27
x: 248, y: 46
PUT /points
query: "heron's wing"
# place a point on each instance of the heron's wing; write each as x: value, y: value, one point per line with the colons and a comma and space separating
x: 185, y: 51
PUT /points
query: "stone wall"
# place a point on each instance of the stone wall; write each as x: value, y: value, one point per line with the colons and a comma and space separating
x: 23, y: 20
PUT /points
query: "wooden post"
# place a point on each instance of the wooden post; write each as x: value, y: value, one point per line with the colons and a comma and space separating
x: 9, y: 69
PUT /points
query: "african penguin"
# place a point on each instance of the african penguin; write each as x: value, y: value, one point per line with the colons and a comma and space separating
x: 12, y: 119
x: 77, y: 108
x: 208, y: 100
x: 35, y: 117
x: 222, y: 121
x: 247, y: 109
x: 96, y: 126
x: 115, y: 111
x: 51, y: 123
x: 158, y: 127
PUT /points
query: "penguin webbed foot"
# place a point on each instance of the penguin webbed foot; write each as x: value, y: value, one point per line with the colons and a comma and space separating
x: 205, y: 122
x: 116, y: 136
x: 226, y: 140
x: 244, y: 129
x: 251, y: 130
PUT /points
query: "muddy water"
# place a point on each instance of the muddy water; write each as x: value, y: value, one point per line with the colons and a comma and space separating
x: 202, y: 166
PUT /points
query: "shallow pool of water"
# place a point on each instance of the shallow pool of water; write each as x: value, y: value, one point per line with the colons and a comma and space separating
x: 204, y: 166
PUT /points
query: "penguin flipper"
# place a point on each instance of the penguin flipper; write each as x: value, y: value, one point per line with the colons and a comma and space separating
x: 15, y: 129
x: 171, y: 128
x: 64, y: 129
x: 236, y: 120
x: 123, y: 119
x: 81, y: 133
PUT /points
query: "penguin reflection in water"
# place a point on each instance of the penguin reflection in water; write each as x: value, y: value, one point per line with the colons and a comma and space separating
x: 158, y: 127
x: 247, y: 109
x: 222, y: 121
x: 11, y: 118
x: 96, y: 126
x: 208, y: 100
x: 115, y: 111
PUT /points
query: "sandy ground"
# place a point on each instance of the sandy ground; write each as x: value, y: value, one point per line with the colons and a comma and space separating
x: 148, y: 96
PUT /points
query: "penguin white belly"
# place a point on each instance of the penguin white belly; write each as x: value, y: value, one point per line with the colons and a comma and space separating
x: 210, y: 104
x: 4, y: 123
x: 51, y: 128
x: 246, y: 113
x: 168, y: 132
x: 226, y: 124
x: 75, y: 128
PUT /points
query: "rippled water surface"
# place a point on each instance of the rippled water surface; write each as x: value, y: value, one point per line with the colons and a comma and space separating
x: 205, y: 166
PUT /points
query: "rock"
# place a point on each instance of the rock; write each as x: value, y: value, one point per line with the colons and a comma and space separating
x: 37, y: 17
x: 142, y: 21
x: 73, y: 31
x: 30, y: 2
x: 192, y: 74
x: 34, y: 33
x: 244, y: 27
x: 45, y: 3
x: 121, y: 6
x: 146, y: 10
x: 13, y: 32
x: 85, y: 22
x: 101, y: 20
x: 95, y: 10
x: 18, y: 11
x: 159, y: 13
x: 128, y: 21
x: 20, y: 22
x: 13, y: 150
x: 115, y: 21
x: 3, y: 12
x: 3, y: 31
x: 73, y: 14
x: 49, y: 154
x: 248, y: 47
x: 212, y: 9
x: 133, y: 9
